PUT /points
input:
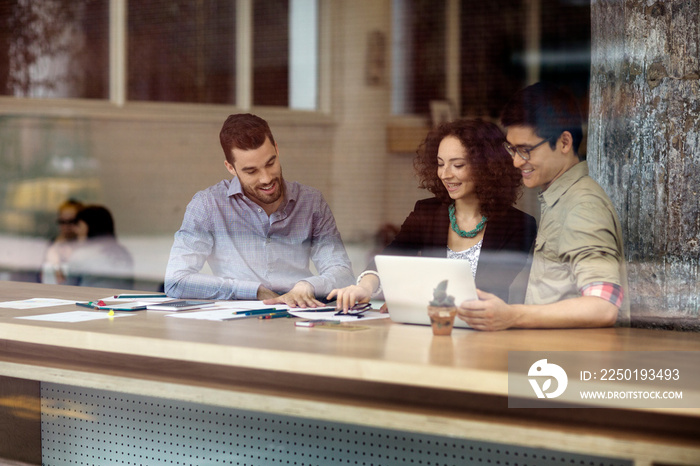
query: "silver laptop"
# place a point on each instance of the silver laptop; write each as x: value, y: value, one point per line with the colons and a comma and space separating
x: 408, y: 284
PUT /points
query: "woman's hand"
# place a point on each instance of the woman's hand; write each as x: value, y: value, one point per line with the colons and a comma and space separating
x: 360, y: 293
x: 348, y: 296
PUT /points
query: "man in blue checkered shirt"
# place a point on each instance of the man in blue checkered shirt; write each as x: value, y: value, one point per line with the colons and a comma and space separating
x: 257, y: 231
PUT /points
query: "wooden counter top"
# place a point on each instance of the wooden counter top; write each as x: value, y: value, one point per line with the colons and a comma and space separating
x: 386, y: 352
x: 271, y: 365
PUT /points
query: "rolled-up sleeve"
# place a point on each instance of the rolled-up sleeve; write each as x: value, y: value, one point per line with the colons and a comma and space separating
x: 589, y: 245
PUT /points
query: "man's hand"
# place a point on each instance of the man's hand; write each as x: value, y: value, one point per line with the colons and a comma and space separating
x: 489, y: 312
x: 264, y: 293
x: 302, y: 295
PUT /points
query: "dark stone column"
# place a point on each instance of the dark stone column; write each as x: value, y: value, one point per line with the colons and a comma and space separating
x: 644, y: 144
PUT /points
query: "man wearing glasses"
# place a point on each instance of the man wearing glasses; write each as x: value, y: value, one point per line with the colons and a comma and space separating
x: 257, y: 231
x: 578, y: 276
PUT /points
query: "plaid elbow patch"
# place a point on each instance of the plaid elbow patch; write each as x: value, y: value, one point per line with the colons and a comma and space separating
x: 608, y: 291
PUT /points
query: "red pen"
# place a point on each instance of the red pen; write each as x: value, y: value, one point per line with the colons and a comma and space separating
x: 274, y: 315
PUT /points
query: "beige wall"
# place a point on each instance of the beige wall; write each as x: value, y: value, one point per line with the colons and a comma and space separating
x: 151, y: 170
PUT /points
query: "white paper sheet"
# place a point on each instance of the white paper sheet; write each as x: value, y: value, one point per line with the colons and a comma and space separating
x: 74, y: 316
x: 35, y: 303
x: 330, y: 315
x: 246, y: 305
x: 226, y: 310
x: 252, y: 305
x: 211, y: 314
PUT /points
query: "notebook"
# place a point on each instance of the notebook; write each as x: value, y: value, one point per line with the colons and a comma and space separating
x: 408, y: 284
x: 180, y: 305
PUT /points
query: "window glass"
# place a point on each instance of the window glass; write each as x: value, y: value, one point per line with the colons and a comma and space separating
x: 492, y: 48
x: 271, y: 52
x: 566, y: 45
x: 303, y: 54
x: 182, y: 51
x: 54, y: 48
x: 494, y: 59
x: 418, y: 55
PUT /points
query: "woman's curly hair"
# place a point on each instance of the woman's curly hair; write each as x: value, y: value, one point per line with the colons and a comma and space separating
x: 498, y: 184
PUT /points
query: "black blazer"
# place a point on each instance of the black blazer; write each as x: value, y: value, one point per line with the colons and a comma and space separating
x: 505, y: 252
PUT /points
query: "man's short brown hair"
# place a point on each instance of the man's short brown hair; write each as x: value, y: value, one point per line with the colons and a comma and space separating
x: 243, y: 131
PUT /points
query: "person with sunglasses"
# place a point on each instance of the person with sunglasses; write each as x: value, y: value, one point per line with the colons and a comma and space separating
x: 578, y: 276
x: 471, y: 216
x: 61, y: 247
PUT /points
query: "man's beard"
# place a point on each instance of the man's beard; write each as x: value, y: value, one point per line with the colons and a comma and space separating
x: 255, y: 194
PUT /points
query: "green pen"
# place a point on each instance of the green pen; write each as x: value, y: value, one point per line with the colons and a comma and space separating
x: 253, y: 312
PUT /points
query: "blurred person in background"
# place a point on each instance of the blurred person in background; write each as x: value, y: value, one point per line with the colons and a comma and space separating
x: 62, y: 245
x: 98, y: 259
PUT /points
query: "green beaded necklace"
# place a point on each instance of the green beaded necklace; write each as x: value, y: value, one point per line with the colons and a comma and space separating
x: 460, y: 232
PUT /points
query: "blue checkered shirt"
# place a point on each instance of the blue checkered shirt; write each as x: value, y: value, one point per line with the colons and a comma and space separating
x: 245, y: 248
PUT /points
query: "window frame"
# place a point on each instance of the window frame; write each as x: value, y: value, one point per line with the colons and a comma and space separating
x: 452, y: 69
x: 117, y: 106
x: 453, y: 62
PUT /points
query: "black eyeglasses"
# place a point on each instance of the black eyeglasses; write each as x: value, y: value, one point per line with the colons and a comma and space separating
x: 67, y: 222
x: 357, y: 310
x: 522, y: 151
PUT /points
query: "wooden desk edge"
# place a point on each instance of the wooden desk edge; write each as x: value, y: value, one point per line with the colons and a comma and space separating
x: 642, y: 448
x: 313, y: 364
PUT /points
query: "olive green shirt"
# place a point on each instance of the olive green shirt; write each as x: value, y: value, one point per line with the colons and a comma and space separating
x: 579, y: 242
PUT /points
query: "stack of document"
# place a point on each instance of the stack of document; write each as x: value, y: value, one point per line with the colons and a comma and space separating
x: 233, y: 310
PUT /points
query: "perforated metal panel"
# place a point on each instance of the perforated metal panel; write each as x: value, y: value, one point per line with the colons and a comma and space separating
x: 91, y: 427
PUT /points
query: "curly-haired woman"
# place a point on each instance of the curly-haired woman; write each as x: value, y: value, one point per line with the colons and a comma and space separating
x: 464, y: 164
